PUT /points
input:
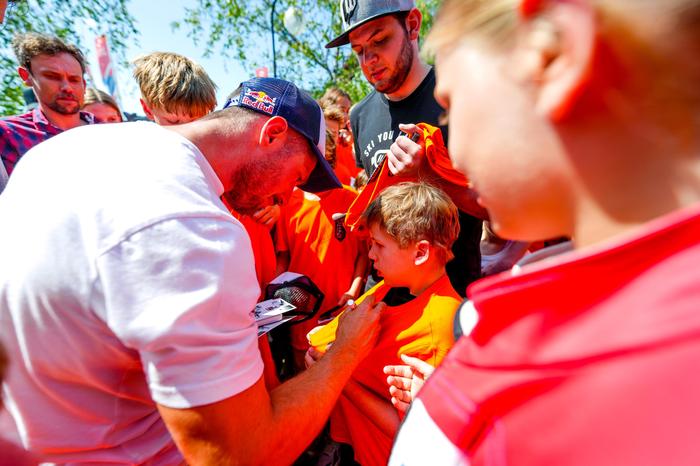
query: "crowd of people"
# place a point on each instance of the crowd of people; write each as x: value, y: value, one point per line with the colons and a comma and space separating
x: 538, y: 158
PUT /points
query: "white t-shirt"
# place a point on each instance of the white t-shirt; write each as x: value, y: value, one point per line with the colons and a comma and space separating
x: 123, y: 281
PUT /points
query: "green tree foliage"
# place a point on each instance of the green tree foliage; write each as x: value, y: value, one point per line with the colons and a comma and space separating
x: 66, y: 19
x: 240, y: 30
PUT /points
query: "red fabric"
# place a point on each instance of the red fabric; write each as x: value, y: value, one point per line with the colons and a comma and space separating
x: 597, y: 355
x: 437, y: 157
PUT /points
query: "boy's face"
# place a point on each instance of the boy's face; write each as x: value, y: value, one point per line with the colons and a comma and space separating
x: 394, y: 264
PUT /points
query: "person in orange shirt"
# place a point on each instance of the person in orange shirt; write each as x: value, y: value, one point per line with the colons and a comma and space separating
x: 412, y: 227
x: 310, y: 242
x: 336, y: 101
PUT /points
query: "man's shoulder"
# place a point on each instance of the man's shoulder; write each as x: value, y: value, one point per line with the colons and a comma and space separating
x: 369, y: 100
x: 13, y: 121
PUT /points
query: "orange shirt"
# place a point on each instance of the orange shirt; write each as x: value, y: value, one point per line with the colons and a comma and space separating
x: 345, y: 166
x: 265, y: 268
x: 307, y: 231
x: 421, y: 328
x: 437, y: 157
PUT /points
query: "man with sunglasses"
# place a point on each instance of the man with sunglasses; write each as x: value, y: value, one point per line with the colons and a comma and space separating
x: 54, y: 70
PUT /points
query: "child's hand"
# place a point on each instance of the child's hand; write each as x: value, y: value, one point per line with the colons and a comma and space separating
x: 347, y: 296
x: 267, y: 216
x: 311, y: 356
x: 406, y: 381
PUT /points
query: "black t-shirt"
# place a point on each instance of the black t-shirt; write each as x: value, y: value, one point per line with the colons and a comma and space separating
x: 375, y: 125
x: 375, y: 121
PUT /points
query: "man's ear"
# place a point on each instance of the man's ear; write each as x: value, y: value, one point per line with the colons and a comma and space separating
x: 413, y: 23
x: 422, y: 253
x: 25, y: 76
x: 556, y: 51
x: 273, y: 129
x: 147, y: 110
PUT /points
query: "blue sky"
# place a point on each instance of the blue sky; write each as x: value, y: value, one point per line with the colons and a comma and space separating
x: 153, y: 22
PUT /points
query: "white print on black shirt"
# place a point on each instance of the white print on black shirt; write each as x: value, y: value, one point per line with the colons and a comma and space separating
x: 379, y: 155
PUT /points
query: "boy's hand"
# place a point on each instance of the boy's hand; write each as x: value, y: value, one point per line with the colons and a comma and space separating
x: 406, y: 156
x: 267, y: 216
x: 347, y: 296
x: 406, y: 381
x: 312, y: 355
x: 358, y: 329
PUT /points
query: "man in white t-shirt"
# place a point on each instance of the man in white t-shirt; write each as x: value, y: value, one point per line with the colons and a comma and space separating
x: 126, y: 289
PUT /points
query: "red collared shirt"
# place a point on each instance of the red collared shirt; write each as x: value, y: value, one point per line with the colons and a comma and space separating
x: 19, y: 133
x: 588, y: 359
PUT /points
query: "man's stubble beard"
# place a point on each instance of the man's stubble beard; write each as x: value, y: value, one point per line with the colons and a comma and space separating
x: 403, y: 69
x: 63, y: 110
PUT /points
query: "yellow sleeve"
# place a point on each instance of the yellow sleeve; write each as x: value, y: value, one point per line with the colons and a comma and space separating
x: 321, y: 337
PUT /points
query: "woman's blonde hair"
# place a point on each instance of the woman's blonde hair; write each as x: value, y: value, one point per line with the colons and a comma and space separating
x: 497, y: 20
x: 414, y: 211
x: 94, y: 96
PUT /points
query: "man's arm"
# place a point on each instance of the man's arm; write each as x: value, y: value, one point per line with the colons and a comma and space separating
x: 254, y: 427
x: 407, y: 158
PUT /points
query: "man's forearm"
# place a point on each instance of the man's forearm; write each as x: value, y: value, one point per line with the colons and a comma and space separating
x: 292, y: 401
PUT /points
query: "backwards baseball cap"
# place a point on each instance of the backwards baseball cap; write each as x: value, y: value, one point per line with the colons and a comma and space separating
x: 355, y: 13
x: 277, y: 97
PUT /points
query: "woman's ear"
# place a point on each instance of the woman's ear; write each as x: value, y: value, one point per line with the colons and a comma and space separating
x: 555, y: 51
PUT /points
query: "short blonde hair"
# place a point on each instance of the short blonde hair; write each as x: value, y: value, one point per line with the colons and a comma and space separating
x: 174, y: 83
x: 414, y: 211
x: 94, y: 96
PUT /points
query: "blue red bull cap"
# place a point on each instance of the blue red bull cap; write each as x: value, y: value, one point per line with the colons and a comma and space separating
x: 277, y: 97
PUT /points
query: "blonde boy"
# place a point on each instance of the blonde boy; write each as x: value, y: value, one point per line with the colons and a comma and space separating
x: 412, y: 227
x: 174, y: 89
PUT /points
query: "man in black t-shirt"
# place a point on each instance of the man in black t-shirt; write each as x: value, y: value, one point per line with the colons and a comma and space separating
x: 384, y: 36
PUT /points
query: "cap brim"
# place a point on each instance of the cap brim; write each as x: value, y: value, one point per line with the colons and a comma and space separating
x: 322, y: 177
x: 344, y: 38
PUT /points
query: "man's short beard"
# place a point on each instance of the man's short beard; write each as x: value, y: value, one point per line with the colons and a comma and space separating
x: 58, y: 108
x: 402, y: 70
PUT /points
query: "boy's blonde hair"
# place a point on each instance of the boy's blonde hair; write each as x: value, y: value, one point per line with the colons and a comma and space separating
x: 174, y: 83
x: 410, y: 212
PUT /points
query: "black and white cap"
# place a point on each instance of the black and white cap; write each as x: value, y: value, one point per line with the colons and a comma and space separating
x: 358, y: 12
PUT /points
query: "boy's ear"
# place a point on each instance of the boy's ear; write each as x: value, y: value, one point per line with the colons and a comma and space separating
x: 147, y: 110
x: 422, y: 253
x: 273, y: 129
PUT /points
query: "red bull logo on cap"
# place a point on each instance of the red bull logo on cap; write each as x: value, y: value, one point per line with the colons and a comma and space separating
x: 259, y: 100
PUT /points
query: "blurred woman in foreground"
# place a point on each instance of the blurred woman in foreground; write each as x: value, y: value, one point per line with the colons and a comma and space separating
x: 575, y: 118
